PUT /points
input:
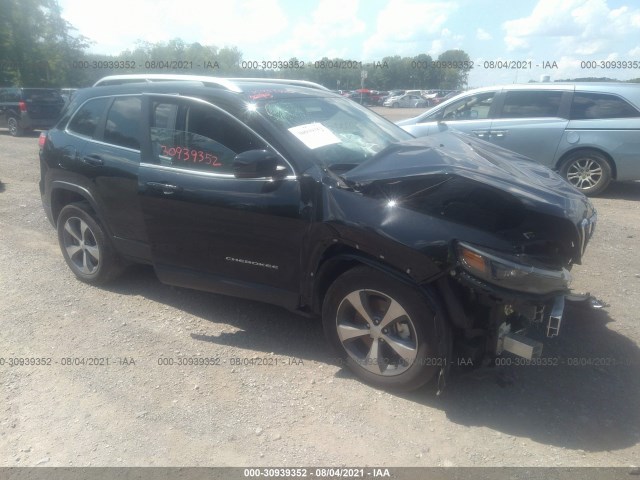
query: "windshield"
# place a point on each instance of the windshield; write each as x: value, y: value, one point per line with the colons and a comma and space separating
x: 339, y: 132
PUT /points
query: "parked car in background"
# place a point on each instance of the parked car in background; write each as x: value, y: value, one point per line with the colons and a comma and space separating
x: 363, y: 98
x: 391, y: 93
x: 408, y: 100
x: 67, y: 93
x: 382, y: 95
x: 589, y: 132
x: 412, y: 251
x: 441, y: 96
x: 25, y: 109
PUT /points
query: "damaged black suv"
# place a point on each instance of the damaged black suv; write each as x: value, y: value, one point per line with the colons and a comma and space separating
x: 286, y: 193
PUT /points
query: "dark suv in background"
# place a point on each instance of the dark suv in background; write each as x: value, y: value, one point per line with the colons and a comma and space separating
x: 24, y: 109
x: 411, y: 250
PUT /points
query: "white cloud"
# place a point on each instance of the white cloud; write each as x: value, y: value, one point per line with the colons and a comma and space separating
x: 219, y: 23
x: 331, y: 31
x: 482, y: 34
x: 408, y: 27
x: 583, y: 27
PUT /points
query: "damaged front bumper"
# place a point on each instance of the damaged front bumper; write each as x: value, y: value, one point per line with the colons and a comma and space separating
x: 516, y: 295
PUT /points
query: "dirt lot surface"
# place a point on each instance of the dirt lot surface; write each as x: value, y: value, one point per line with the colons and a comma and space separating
x: 295, y: 405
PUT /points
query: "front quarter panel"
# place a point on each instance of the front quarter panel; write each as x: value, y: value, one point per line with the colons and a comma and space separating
x: 399, y: 236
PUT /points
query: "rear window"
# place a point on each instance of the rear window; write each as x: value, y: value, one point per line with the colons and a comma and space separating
x: 42, y: 96
x: 600, y: 105
x: 531, y: 104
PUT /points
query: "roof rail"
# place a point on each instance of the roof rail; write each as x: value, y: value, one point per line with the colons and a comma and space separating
x: 284, y: 81
x: 228, y: 83
x: 165, y: 77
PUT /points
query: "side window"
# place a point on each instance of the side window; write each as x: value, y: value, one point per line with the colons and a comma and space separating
x: 198, y: 137
x: 86, y: 119
x: 9, y: 95
x: 600, y: 105
x: 531, y: 104
x: 473, y: 107
x: 123, y: 122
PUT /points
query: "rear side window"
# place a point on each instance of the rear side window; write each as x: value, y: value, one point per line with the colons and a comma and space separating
x: 86, y: 119
x: 123, y: 122
x: 600, y: 105
x: 531, y: 104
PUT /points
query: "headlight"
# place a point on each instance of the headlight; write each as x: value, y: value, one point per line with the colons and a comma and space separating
x: 509, y: 273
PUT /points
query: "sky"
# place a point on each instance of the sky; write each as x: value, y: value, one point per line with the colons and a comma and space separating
x: 567, y: 32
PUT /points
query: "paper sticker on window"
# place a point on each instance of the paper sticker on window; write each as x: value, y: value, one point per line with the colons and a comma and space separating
x: 314, y: 135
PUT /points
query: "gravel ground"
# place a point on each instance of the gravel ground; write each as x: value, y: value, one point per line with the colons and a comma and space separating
x: 297, y: 407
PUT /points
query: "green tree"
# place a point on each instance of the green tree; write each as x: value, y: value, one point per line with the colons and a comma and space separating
x: 456, y: 76
x: 37, y: 45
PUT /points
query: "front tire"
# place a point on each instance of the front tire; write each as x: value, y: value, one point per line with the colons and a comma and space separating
x: 86, y: 247
x: 587, y: 170
x: 387, y: 333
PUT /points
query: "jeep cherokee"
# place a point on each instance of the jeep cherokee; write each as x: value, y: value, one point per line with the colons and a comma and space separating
x: 296, y: 196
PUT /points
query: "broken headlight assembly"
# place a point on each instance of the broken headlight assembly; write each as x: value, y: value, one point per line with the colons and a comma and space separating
x: 508, y: 271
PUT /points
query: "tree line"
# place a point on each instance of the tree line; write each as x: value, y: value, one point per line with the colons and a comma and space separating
x: 38, y: 48
x: 37, y: 45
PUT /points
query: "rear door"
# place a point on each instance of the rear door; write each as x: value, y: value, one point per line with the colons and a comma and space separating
x: 105, y: 153
x: 208, y: 229
x: 531, y: 122
x: 609, y: 123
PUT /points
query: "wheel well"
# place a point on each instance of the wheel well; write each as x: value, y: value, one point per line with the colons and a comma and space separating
x: 335, y: 262
x: 60, y: 198
x: 614, y: 173
x: 339, y: 259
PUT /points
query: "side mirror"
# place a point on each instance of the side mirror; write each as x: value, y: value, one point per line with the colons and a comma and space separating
x: 255, y: 164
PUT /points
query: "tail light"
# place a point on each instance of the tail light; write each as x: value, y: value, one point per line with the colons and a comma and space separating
x: 22, y: 106
x: 42, y: 139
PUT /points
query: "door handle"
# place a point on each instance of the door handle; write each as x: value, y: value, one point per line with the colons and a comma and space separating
x: 166, y: 188
x: 93, y: 160
x: 481, y: 133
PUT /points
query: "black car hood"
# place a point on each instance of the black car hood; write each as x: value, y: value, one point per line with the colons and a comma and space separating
x: 454, y: 154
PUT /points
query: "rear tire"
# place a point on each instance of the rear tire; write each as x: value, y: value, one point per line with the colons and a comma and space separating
x: 388, y: 333
x: 14, y: 127
x: 587, y: 170
x: 86, y: 247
